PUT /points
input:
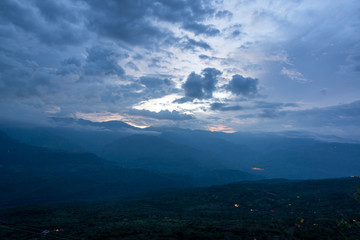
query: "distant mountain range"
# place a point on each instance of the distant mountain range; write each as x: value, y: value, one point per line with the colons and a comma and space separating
x: 30, y: 174
x: 37, y: 175
x: 192, y: 152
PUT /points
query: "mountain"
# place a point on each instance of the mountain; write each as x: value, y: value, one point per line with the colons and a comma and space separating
x: 68, y: 134
x: 155, y: 153
x: 275, y: 155
x: 317, y: 160
x: 110, y: 125
x: 158, y: 154
x: 38, y: 175
x: 234, y: 156
x: 286, y: 155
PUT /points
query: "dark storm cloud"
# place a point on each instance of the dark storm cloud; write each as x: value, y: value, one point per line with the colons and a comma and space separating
x: 197, y: 28
x: 124, y: 21
x: 224, y: 107
x: 235, y: 33
x: 72, y: 61
x: 183, y: 100
x: 183, y: 10
x: 62, y: 22
x: 52, y: 22
x: 151, y: 82
x: 56, y: 11
x: 204, y: 57
x: 201, y: 86
x: 154, y: 86
x: 155, y: 62
x: 21, y: 78
x: 224, y: 14
x: 162, y: 115
x: 240, y: 85
x: 192, y: 44
x: 132, y: 66
x: 128, y: 20
x: 103, y: 61
x: 71, y: 65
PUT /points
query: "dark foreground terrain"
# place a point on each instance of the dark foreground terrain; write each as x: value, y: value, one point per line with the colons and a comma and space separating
x: 272, y: 209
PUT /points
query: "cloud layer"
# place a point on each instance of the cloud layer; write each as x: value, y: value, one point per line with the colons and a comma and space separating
x: 199, y: 63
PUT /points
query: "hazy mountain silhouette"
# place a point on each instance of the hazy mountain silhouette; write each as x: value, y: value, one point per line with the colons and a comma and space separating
x: 288, y: 154
x: 157, y: 154
x: 34, y: 175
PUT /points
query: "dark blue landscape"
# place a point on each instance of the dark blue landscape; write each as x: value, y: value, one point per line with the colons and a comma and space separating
x: 179, y: 119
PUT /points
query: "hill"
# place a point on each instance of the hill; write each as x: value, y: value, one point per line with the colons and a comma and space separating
x: 272, y: 209
x: 272, y: 155
x: 38, y: 175
x: 157, y: 154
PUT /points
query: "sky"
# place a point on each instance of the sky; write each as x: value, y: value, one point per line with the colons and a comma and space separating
x: 245, y: 65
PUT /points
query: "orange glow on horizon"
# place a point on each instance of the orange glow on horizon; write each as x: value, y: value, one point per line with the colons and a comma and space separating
x: 220, y: 128
x: 257, y: 169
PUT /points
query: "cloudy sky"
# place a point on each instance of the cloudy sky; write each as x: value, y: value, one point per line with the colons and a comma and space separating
x: 265, y: 65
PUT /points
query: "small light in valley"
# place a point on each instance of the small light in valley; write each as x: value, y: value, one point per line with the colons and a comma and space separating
x: 257, y: 169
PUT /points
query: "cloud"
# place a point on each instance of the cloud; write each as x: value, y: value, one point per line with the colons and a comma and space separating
x: 340, y: 120
x: 224, y: 14
x: 220, y: 128
x: 156, y: 62
x: 323, y: 91
x: 197, y: 28
x: 151, y: 82
x: 51, y: 22
x: 103, y: 60
x: 107, y: 55
x: 182, y: 11
x: 272, y: 109
x: 294, y: 75
x: 240, y: 85
x: 263, y: 109
x: 224, y: 107
x: 204, y: 57
x: 129, y: 20
x: 339, y: 115
x: 125, y: 21
x: 354, y: 62
x: 192, y: 44
x: 268, y: 113
x: 201, y: 86
x: 132, y: 66
x: 234, y: 31
x: 274, y: 105
x: 70, y: 65
x: 23, y: 78
x: 162, y: 115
